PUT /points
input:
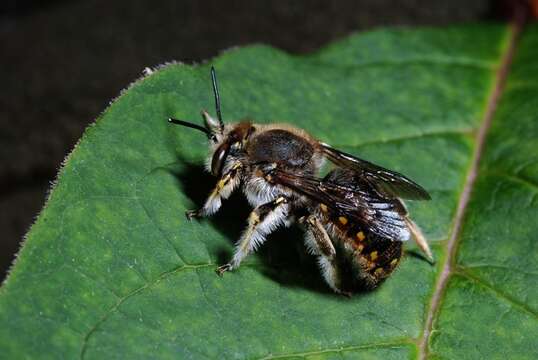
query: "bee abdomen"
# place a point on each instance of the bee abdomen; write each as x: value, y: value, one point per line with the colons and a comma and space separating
x: 374, y: 258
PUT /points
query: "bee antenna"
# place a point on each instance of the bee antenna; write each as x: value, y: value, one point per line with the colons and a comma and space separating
x: 191, y: 125
x: 217, y: 97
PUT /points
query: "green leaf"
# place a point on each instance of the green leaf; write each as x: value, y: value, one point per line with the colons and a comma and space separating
x: 112, y: 269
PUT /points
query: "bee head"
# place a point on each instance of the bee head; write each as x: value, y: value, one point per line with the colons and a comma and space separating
x: 225, y: 140
x: 233, y: 142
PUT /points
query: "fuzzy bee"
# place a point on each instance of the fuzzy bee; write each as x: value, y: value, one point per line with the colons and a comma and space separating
x: 354, y: 215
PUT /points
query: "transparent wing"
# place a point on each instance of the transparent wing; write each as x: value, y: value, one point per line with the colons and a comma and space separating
x: 381, y: 216
x: 387, y: 182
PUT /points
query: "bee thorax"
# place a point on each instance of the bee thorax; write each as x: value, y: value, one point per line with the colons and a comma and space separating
x: 282, y: 146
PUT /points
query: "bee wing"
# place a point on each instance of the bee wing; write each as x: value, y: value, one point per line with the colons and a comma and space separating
x: 381, y: 216
x: 386, y: 182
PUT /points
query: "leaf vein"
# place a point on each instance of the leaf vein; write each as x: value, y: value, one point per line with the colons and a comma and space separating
x: 390, y: 344
x: 120, y: 301
x: 513, y: 302
x: 417, y: 60
x: 413, y: 136
x: 515, y: 178
x: 148, y: 215
x: 501, y: 267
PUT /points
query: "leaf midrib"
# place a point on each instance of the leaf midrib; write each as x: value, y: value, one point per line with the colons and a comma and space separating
x: 448, y: 267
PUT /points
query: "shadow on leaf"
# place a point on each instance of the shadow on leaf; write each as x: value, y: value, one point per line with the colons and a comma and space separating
x: 283, y: 256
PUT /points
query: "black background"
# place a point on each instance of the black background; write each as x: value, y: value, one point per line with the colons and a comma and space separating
x: 61, y: 62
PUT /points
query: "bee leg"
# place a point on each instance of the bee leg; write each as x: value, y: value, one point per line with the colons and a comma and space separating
x: 224, y: 188
x: 319, y: 243
x: 262, y: 221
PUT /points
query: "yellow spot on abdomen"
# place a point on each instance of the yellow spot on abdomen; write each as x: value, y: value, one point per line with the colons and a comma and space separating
x: 360, y: 248
x: 360, y: 236
x: 393, y: 262
x: 378, y: 271
x: 343, y: 220
x: 323, y: 207
x: 373, y: 255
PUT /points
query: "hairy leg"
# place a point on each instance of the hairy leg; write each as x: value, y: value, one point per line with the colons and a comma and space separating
x: 262, y: 221
x: 319, y: 243
x: 224, y: 188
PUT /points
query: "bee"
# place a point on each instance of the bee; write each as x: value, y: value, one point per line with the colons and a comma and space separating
x: 354, y: 213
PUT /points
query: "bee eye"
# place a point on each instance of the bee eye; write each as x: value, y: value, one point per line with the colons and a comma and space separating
x: 218, y: 159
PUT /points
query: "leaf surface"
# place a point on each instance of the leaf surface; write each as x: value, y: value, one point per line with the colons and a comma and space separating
x: 112, y: 269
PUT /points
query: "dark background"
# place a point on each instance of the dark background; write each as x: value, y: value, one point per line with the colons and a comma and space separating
x: 62, y: 62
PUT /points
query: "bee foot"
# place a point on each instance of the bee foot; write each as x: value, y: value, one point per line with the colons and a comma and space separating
x: 222, y: 269
x: 191, y: 214
x: 345, y: 293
